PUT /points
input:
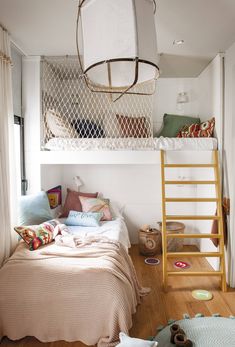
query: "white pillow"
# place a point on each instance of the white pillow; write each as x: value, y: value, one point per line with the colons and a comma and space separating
x: 59, y: 125
x: 116, y: 211
x: 126, y: 341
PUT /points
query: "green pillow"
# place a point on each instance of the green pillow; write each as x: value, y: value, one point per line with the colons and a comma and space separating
x: 172, y: 124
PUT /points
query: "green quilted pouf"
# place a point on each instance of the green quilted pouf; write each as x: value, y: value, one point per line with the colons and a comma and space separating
x: 203, y: 332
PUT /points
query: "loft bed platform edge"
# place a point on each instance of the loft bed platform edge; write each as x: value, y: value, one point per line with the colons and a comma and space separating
x: 122, y: 157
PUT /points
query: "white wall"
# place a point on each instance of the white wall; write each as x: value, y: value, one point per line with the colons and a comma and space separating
x: 229, y: 155
x: 167, y: 90
x: 210, y: 94
x: 210, y: 103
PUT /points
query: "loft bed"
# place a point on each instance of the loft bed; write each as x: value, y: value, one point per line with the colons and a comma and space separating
x: 75, y: 119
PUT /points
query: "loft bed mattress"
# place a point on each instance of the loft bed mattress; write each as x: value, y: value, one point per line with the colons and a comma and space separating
x: 56, y: 291
x: 166, y: 143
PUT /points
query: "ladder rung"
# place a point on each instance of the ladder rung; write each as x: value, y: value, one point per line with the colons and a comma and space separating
x: 169, y: 217
x: 195, y: 236
x: 191, y: 200
x: 189, y: 165
x: 192, y: 273
x: 194, y: 254
x: 190, y: 182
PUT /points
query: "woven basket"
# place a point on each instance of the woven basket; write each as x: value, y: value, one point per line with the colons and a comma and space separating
x: 150, y: 243
x: 173, y: 244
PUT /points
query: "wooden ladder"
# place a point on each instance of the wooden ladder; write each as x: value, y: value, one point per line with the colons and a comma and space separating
x: 218, y: 217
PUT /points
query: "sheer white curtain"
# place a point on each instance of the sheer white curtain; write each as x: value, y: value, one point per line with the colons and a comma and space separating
x: 7, y: 184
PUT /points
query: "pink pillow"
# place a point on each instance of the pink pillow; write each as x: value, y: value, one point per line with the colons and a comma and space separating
x: 72, y: 202
x: 96, y: 205
x: 133, y: 126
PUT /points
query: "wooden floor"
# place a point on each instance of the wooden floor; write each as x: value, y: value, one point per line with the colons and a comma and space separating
x: 158, y: 307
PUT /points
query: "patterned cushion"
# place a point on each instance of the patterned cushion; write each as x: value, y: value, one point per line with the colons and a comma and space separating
x: 96, y: 205
x: 204, y: 129
x: 38, y: 235
x: 59, y: 125
x: 72, y: 202
x: 85, y: 219
x: 133, y: 126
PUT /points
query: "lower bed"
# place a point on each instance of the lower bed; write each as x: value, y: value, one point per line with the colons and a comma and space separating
x: 86, y: 292
x: 166, y: 143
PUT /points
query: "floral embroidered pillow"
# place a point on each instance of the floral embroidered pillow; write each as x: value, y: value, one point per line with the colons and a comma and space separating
x: 204, y: 129
x: 38, y: 235
x: 85, y: 219
x: 96, y: 205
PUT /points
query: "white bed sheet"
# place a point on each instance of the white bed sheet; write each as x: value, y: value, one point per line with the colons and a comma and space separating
x: 185, y: 144
x: 166, y: 143
x: 115, y: 230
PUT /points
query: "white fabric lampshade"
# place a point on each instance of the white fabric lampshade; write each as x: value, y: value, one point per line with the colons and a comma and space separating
x: 119, y: 29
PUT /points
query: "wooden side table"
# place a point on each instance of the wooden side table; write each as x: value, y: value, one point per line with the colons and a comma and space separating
x: 150, y: 242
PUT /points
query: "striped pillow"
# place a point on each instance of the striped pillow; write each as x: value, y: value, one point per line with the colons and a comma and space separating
x: 96, y: 205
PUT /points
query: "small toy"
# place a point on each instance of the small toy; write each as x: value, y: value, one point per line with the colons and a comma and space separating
x: 152, y: 261
x: 181, y: 265
x: 203, y: 295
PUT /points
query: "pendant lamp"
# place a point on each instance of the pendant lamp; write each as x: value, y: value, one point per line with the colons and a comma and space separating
x: 119, y: 44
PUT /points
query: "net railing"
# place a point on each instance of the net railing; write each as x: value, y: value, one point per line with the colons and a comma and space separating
x: 74, y: 118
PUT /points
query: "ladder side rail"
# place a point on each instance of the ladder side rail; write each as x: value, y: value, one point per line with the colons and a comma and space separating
x: 220, y: 220
x: 164, y: 233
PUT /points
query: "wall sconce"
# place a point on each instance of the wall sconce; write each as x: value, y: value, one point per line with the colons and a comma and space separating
x: 182, y: 98
x: 78, y: 182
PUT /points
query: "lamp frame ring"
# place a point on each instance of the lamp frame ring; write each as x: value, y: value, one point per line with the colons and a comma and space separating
x: 111, y: 90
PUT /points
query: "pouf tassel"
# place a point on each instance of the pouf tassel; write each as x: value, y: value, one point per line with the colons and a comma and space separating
x: 186, y: 316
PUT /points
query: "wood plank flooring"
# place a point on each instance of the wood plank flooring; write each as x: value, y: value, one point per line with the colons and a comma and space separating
x: 159, y: 306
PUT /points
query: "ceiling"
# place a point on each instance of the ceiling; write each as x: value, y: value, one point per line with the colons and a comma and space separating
x: 47, y: 27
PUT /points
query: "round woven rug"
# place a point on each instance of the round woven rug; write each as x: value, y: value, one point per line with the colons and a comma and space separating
x: 203, y: 332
